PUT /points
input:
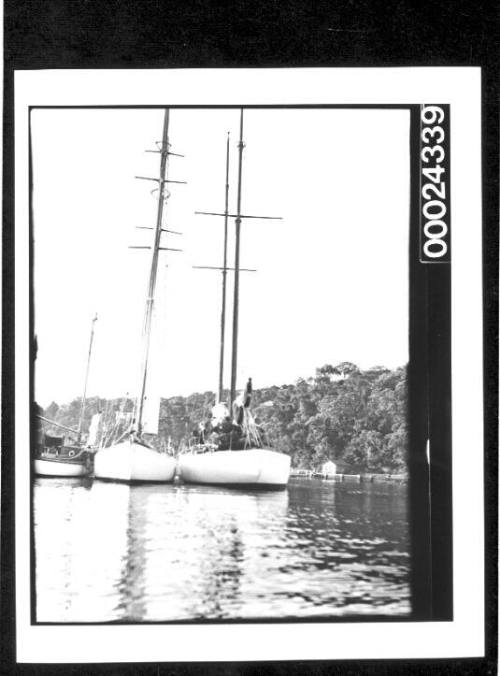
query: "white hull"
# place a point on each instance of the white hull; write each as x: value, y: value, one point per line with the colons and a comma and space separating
x: 255, y: 467
x: 60, y: 468
x: 130, y: 461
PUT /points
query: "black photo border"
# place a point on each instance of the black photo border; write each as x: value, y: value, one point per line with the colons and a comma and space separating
x: 430, y: 34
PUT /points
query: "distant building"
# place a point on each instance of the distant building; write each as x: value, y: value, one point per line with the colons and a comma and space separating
x: 329, y: 468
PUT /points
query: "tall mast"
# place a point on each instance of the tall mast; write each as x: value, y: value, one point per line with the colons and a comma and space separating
x: 234, y: 362
x: 164, y: 153
x: 224, y: 269
x: 238, y: 216
x: 84, y: 398
x: 224, y: 274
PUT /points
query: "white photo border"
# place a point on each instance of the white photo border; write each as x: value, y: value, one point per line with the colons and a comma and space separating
x: 462, y: 637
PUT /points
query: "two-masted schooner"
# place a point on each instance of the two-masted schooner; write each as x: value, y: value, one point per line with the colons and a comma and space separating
x: 236, y: 452
x: 132, y: 458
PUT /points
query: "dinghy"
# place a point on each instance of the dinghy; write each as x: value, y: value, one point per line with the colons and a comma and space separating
x: 233, y: 452
x: 132, y: 458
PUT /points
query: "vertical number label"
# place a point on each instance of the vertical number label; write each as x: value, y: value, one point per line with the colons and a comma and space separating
x: 434, y: 184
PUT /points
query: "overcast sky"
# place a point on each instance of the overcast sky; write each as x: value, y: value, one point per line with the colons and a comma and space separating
x: 332, y: 280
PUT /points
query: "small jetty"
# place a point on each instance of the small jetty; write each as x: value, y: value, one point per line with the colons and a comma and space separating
x: 302, y: 472
x: 349, y: 478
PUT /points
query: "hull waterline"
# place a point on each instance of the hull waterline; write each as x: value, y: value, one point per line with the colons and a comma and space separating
x: 252, y: 467
x: 131, y: 461
x: 45, y: 467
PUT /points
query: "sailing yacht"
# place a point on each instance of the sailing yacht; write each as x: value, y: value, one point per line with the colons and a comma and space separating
x: 236, y: 452
x: 54, y: 455
x: 132, y: 458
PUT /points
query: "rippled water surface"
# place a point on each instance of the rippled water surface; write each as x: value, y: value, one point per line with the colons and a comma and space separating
x: 108, y: 551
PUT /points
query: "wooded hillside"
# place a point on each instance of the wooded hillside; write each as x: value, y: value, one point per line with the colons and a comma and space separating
x: 356, y: 418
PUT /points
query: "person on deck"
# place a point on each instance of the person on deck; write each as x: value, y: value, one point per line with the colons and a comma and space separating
x: 225, y: 434
x: 241, y: 403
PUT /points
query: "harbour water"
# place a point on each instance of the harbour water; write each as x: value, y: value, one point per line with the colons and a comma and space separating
x: 318, y: 549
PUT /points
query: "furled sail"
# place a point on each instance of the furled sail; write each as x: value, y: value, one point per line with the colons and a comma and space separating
x: 242, y: 402
x: 94, y: 430
x: 151, y: 414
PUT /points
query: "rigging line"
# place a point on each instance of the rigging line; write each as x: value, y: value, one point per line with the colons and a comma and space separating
x: 214, y: 213
x: 216, y: 267
x: 111, y: 435
x: 224, y: 275
x: 128, y: 424
x: 53, y: 423
x: 111, y: 426
x: 105, y: 425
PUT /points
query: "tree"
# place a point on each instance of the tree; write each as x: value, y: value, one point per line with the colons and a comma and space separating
x: 345, y: 369
x: 51, y: 410
x: 359, y: 418
x: 365, y: 451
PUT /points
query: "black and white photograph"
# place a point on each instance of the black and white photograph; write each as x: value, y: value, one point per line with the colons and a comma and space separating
x: 238, y: 390
x: 240, y: 446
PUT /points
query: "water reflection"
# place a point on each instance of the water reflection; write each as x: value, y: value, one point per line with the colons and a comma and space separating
x: 108, y: 551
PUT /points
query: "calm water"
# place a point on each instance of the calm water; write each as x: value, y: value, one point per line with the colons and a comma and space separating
x: 109, y: 551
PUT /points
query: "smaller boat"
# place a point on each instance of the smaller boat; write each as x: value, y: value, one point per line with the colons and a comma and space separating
x: 55, y: 457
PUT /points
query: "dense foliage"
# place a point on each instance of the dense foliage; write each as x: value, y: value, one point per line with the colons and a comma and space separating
x: 357, y: 419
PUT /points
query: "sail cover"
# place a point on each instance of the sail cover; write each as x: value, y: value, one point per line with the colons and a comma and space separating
x: 151, y: 414
x: 93, y: 430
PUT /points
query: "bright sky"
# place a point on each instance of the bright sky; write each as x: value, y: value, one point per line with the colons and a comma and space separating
x: 332, y: 280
